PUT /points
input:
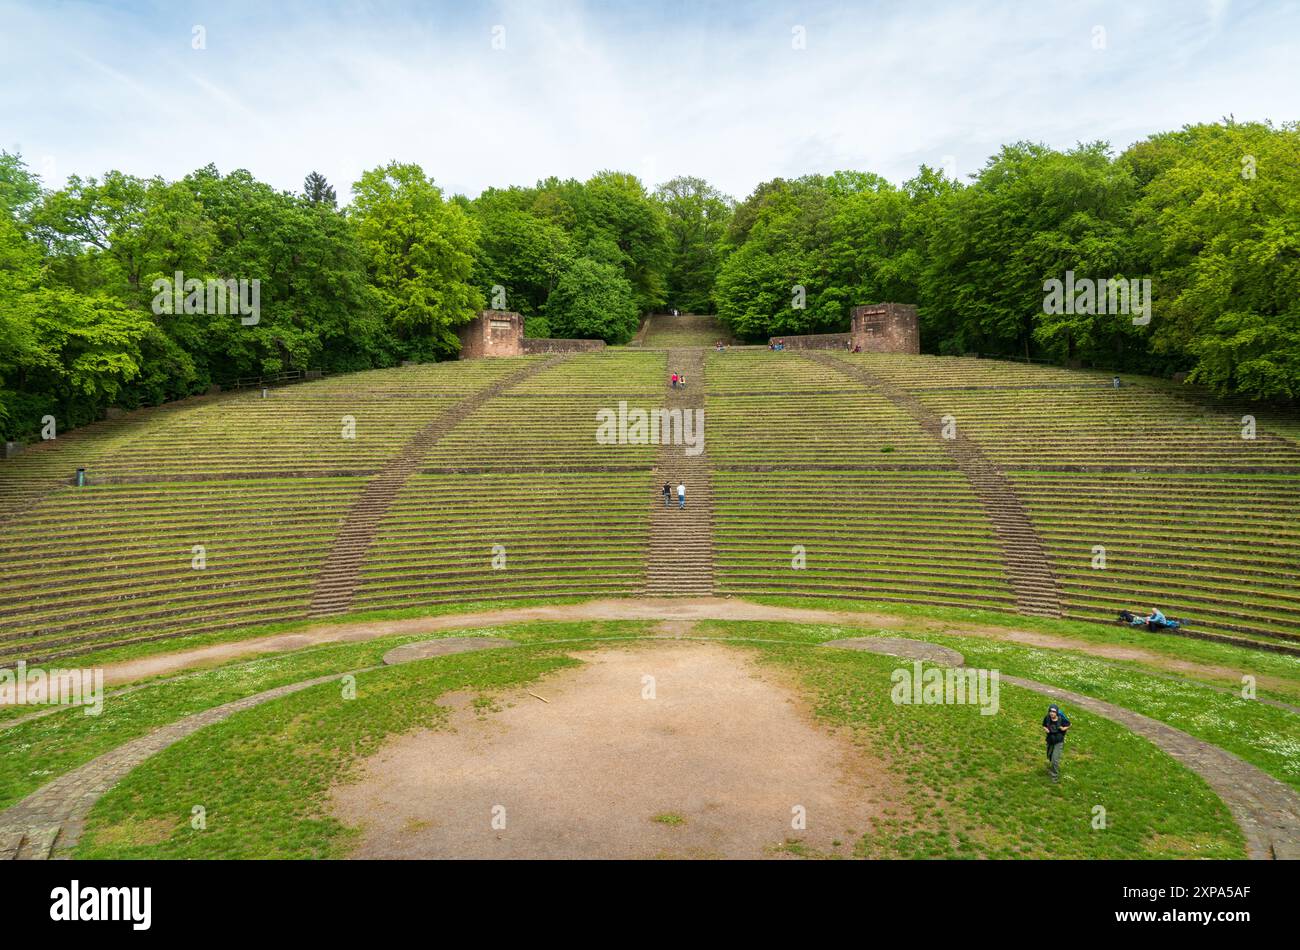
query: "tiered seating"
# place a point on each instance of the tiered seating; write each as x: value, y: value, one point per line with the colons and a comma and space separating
x: 908, y: 537
x: 549, y: 421
x: 1133, y: 426
x: 916, y: 373
x: 768, y: 408
x: 804, y: 455
x: 799, y: 454
x: 563, y: 535
x: 1222, y: 550
x: 298, y: 430
x: 114, y: 563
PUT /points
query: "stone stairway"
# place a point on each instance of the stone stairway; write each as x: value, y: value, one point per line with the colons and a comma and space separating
x: 340, y: 575
x: 1028, y: 567
x: 680, y: 559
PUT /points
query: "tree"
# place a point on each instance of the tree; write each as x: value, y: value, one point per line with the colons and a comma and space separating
x: 419, y: 251
x: 1219, y: 222
x: 618, y: 223
x: 1031, y: 215
x: 519, y: 250
x: 19, y: 188
x: 318, y: 191
x: 592, y: 300
x: 776, y: 277
x: 697, y: 215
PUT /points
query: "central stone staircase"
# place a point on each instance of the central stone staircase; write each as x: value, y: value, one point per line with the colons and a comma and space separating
x: 680, y: 559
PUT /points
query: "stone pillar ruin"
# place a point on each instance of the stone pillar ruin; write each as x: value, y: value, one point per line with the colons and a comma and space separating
x: 886, y: 328
x: 492, y: 333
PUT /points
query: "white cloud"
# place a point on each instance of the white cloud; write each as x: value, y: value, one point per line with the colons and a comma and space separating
x: 715, y: 91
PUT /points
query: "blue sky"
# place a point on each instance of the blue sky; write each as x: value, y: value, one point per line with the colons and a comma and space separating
x: 712, y: 89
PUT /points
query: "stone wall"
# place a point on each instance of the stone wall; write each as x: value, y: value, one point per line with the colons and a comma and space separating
x: 814, y: 341
x: 886, y: 328
x: 501, y: 333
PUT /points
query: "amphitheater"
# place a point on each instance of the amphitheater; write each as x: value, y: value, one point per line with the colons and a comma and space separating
x: 456, y: 531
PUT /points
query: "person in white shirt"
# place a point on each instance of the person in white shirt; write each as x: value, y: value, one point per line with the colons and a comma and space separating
x: 681, y: 495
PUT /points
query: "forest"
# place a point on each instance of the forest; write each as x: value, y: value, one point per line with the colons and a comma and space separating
x: 1207, y: 217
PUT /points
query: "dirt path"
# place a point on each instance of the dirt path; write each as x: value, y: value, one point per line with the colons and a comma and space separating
x: 722, y: 753
x: 668, y: 609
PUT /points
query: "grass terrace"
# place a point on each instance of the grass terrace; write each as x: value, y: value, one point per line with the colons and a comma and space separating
x: 778, y: 409
x: 908, y: 537
x: 562, y: 535
x: 1131, y: 426
x: 298, y: 430
x: 688, y: 329
x: 1221, y: 550
x: 917, y: 373
x: 115, y: 563
x: 549, y: 421
x: 616, y: 372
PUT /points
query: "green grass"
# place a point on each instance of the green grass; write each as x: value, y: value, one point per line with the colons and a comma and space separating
x: 36, y: 752
x: 112, y: 654
x: 975, y: 786
x: 263, y: 776
x: 1262, y: 735
x: 969, y: 785
x: 1257, y: 662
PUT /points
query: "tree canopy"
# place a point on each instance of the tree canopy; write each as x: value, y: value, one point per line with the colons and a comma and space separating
x: 1208, y: 216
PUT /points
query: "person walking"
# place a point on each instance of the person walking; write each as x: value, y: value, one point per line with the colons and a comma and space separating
x: 668, y: 494
x: 681, y: 495
x: 674, y: 380
x: 1055, y: 725
x: 681, y: 380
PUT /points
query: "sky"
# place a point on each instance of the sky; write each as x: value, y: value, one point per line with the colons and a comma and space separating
x: 495, y: 94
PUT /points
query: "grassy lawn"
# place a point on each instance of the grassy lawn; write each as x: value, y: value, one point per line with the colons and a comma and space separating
x: 111, y: 654
x: 263, y: 776
x: 1263, y: 735
x: 971, y: 785
x: 975, y: 786
x: 33, y: 753
x: 1257, y: 662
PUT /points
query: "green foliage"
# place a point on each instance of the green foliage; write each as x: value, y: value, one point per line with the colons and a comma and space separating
x: 1210, y: 214
x: 1219, y: 221
x: 319, y: 191
x: 520, y: 250
x: 19, y: 188
x: 1031, y: 215
x: 697, y: 215
x: 618, y: 223
x: 419, y: 251
x: 592, y: 300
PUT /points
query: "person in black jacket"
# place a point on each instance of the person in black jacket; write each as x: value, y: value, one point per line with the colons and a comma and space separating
x: 1055, y: 725
x: 668, y: 495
